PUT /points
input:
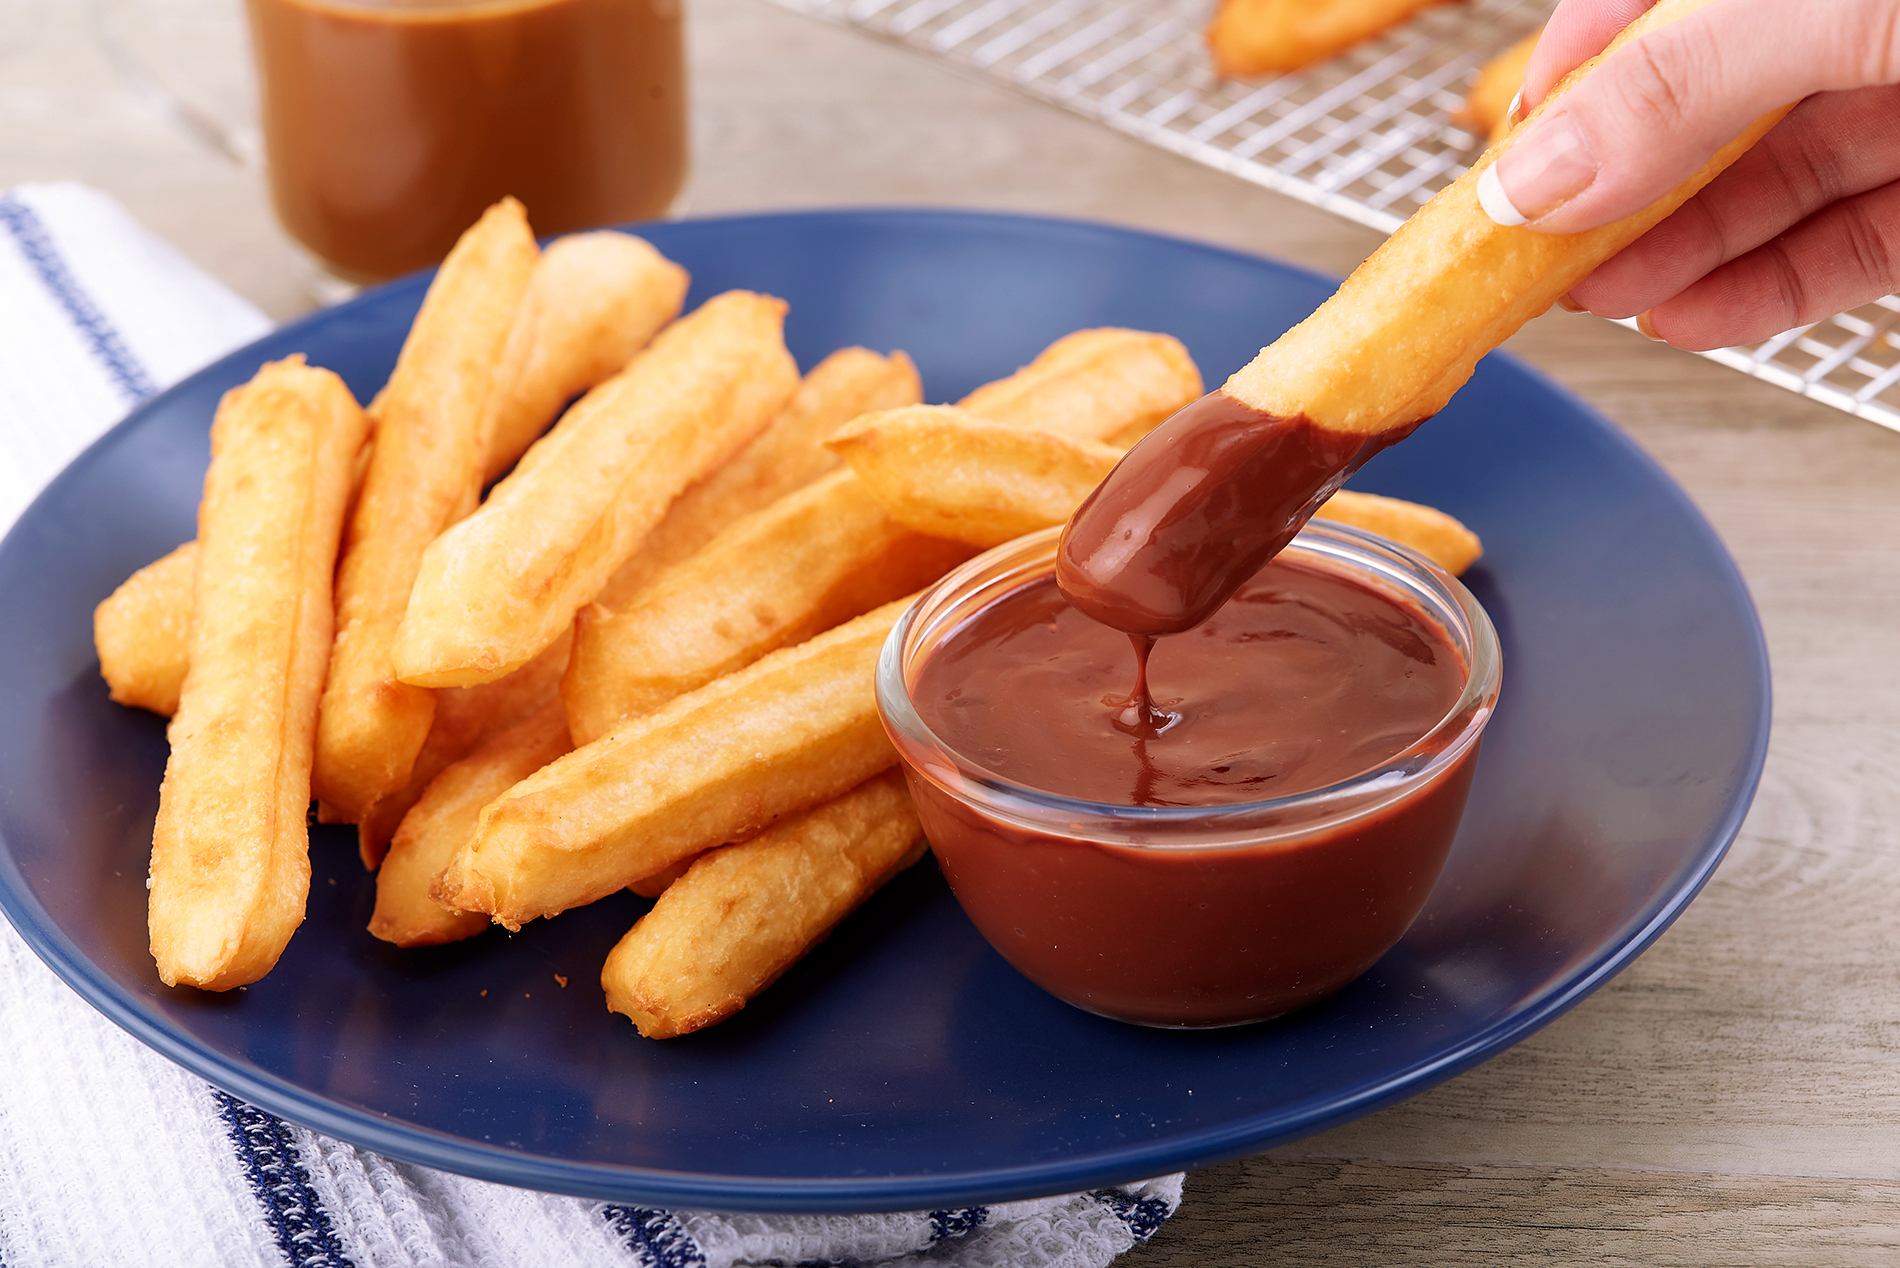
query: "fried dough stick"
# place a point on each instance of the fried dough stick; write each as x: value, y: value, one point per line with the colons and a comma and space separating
x: 443, y: 820
x: 501, y: 585
x: 1104, y: 384
x: 465, y: 719
x: 1489, y: 101
x: 940, y: 470
x: 719, y: 764
x: 593, y: 301
x: 785, y: 456
x: 1259, y: 37
x: 1155, y: 550
x: 1440, y: 537
x: 1367, y: 361
x: 142, y: 632
x: 743, y: 914
x: 230, y: 847
x: 424, y: 474
x: 816, y: 557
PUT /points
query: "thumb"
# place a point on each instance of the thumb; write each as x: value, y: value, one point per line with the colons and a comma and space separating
x: 1577, y: 31
x: 1656, y: 109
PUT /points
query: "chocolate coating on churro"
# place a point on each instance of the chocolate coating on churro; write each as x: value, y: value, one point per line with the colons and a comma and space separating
x: 1198, y: 507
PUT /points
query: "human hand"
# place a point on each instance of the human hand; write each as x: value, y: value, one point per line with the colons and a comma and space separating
x: 1805, y: 225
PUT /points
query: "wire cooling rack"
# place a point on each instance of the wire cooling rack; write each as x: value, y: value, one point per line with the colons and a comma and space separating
x: 1367, y: 135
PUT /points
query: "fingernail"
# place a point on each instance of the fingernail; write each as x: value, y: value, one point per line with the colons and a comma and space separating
x: 1549, y: 165
x: 1496, y: 203
x: 1570, y: 305
x: 1514, y: 113
x: 1648, y: 327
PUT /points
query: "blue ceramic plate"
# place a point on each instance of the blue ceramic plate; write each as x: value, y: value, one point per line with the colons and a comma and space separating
x: 903, y: 1064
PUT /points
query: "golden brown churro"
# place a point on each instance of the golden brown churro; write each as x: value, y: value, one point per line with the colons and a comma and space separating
x: 1368, y: 361
x: 230, y: 848
x: 1260, y: 37
x: 424, y: 473
x: 743, y: 914
x: 443, y: 820
x: 715, y: 765
x: 593, y: 301
x: 495, y: 589
x: 1219, y: 488
x: 1489, y: 102
x: 142, y: 632
x: 785, y: 456
x: 941, y: 470
x: 811, y: 560
x: 465, y: 719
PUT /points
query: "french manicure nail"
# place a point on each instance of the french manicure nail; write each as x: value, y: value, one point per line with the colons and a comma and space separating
x: 1549, y: 166
x: 1648, y: 327
x: 1514, y: 113
x: 1570, y: 305
x: 1496, y: 203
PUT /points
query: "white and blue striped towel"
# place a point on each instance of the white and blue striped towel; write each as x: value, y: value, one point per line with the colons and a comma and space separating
x: 111, y: 1155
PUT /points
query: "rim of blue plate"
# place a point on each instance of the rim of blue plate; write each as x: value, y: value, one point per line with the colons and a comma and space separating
x: 704, y: 1190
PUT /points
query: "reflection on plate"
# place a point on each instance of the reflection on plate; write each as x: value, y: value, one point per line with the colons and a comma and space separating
x: 903, y: 1064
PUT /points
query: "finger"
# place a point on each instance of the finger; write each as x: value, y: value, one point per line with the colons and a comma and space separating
x: 1838, y: 259
x: 1576, y: 32
x: 1657, y: 109
x: 1799, y: 168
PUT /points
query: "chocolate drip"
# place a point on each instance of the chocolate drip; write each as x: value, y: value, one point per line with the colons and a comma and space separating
x: 1198, y: 507
x: 1137, y: 714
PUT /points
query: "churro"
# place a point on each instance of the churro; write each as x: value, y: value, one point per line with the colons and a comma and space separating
x: 716, y: 765
x: 495, y: 589
x: 743, y: 914
x: 230, y: 848
x: 424, y: 474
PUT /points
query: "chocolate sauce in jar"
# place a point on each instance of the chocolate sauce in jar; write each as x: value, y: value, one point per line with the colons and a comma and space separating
x: 391, y: 124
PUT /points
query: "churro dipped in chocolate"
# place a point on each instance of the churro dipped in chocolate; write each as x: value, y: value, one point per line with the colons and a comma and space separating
x: 1213, y: 493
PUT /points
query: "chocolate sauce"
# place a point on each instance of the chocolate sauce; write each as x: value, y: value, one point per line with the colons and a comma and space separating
x: 1196, y: 508
x: 1137, y: 714
x: 1304, y: 678
x: 391, y: 124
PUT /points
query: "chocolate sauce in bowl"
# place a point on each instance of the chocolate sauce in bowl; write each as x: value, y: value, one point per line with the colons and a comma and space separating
x: 1280, y: 677
x: 1197, y: 508
x: 1172, y: 871
x: 1304, y: 678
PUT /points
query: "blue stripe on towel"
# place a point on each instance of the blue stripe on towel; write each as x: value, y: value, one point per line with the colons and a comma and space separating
x: 658, y: 1236
x: 105, y: 342
x: 1142, y: 1215
x: 268, y: 1155
x: 957, y: 1223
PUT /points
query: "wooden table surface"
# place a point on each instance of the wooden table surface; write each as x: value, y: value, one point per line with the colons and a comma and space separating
x: 1734, y: 1097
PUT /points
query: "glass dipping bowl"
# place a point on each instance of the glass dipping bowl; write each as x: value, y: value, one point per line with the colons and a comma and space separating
x: 1195, y: 916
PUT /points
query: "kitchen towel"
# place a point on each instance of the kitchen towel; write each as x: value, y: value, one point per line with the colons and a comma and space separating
x: 110, y: 1154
